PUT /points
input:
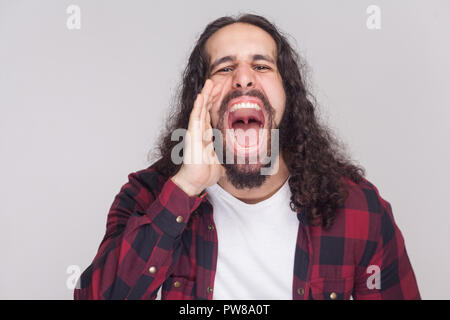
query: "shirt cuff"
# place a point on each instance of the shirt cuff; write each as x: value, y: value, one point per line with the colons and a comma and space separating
x: 176, y: 208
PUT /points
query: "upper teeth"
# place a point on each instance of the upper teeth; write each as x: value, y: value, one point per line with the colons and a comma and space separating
x: 245, y: 105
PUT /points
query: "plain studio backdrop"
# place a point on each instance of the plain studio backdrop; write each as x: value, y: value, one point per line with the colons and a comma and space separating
x: 82, y: 108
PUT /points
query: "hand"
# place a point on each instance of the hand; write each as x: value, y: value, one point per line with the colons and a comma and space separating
x: 201, y: 167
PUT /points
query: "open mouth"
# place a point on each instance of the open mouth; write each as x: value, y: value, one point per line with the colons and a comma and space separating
x: 246, y: 122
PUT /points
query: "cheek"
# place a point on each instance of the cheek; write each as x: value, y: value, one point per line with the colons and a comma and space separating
x: 225, y: 82
x: 274, y: 91
x: 214, y: 113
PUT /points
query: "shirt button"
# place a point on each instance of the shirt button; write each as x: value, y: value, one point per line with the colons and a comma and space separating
x: 209, y: 290
x: 301, y: 291
x: 180, y: 219
x: 177, y: 284
x: 210, y: 227
x: 333, y: 296
x: 152, y: 270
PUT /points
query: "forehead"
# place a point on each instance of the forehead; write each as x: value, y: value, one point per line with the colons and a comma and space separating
x: 242, y: 40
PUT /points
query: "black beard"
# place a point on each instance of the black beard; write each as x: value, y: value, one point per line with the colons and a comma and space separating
x: 242, y: 179
x: 243, y: 176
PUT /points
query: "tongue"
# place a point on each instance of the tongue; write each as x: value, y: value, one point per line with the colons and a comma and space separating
x: 246, y: 134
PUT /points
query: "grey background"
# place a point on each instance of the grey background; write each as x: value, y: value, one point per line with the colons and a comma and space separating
x: 81, y: 109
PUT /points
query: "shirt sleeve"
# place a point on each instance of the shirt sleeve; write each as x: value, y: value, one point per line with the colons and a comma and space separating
x: 137, y: 253
x: 385, y: 271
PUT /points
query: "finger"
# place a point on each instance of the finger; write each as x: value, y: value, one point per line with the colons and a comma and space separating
x: 209, y: 153
x: 215, y: 94
x: 208, y: 133
x: 208, y: 120
x: 216, y: 90
x: 207, y: 85
x: 203, y: 116
x: 206, y: 91
x: 208, y: 123
x: 196, y: 110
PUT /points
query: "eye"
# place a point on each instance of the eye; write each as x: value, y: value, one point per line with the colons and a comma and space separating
x: 262, y: 68
x: 226, y: 69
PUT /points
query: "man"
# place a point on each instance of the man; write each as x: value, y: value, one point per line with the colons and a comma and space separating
x: 312, y: 228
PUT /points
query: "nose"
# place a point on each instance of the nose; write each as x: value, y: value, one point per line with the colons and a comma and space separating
x: 243, y: 78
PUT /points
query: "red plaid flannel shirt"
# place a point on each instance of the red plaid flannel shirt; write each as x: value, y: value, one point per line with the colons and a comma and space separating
x: 156, y: 235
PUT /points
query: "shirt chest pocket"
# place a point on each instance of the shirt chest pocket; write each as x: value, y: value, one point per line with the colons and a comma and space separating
x: 331, y: 289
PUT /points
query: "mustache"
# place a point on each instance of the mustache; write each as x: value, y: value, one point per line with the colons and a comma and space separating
x: 251, y: 93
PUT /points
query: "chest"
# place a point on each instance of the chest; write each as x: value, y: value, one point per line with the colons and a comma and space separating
x: 285, y: 250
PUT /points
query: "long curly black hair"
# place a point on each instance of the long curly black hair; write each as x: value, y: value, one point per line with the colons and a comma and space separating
x: 315, y: 158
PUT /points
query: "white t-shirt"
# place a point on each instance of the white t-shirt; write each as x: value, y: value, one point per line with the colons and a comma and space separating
x: 256, y: 246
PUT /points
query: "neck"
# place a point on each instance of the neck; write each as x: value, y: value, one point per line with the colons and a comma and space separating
x: 272, y: 184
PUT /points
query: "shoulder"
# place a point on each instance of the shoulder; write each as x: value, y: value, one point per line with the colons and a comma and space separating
x: 362, y: 214
x: 364, y: 196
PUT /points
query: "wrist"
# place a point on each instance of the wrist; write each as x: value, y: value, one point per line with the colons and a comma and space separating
x: 185, y: 185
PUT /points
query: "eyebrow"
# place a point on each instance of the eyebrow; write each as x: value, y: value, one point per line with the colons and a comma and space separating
x: 232, y: 58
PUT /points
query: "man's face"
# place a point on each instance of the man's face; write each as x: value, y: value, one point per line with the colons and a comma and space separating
x: 243, y: 59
